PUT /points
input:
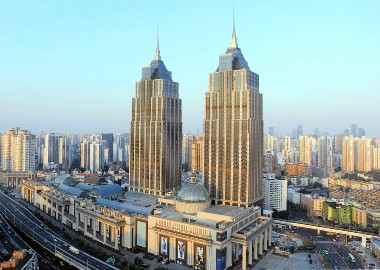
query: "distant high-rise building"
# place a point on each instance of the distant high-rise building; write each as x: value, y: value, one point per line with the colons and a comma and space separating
x: 40, y: 143
x: 361, y: 132
x: 51, y: 149
x: 354, y: 130
x: 287, y: 147
x: 85, y: 154
x: 275, y: 193
x: 187, y: 143
x: 377, y: 142
x: 108, y: 137
x: 155, y: 139
x: 348, y: 154
x: 269, y: 143
x: 197, y: 154
x: 64, y: 151
x: 120, y: 145
x: 299, y: 131
x: 316, y: 133
x: 294, y: 133
x: 346, y: 132
x: 364, y: 155
x: 18, y: 148
x: 233, y: 131
x: 96, y: 159
x: 270, y: 162
x: 305, y: 148
x: 271, y: 131
x: 325, y: 151
x: 375, y: 158
x: 338, y: 138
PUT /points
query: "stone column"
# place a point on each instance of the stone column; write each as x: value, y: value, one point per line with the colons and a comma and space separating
x: 77, y: 222
x: 85, y: 225
x: 255, y: 248
x: 266, y: 239
x: 229, y: 253
x: 116, y: 238
x: 104, y: 229
x: 250, y: 252
x: 236, y: 251
x: 270, y: 236
x: 244, y: 257
x: 261, y: 244
x: 94, y: 229
x: 112, y: 233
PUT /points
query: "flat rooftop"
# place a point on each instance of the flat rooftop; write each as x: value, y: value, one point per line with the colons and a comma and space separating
x: 225, y: 210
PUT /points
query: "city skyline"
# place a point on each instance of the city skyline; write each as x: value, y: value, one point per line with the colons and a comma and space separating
x: 63, y: 65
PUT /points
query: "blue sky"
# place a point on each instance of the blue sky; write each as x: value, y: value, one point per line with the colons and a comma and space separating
x: 71, y: 66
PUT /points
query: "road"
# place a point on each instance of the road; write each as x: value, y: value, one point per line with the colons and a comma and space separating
x: 335, y: 252
x: 28, y: 223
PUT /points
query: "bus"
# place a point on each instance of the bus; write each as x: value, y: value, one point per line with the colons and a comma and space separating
x: 74, y: 250
x: 352, y: 258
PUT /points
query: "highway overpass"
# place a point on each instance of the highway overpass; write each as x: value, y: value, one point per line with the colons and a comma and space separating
x: 364, y: 236
x: 23, y: 219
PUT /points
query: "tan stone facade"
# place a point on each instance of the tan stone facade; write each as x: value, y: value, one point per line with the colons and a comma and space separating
x: 233, y: 138
x: 156, y: 137
x: 197, y: 154
x: 200, y: 240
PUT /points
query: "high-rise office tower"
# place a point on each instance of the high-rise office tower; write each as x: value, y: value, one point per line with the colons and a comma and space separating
x: 354, y: 130
x: 109, y: 138
x: 361, y: 132
x: 156, y: 131
x: 348, y: 154
x: 233, y: 131
x: 271, y: 131
x: 187, y: 143
x: 299, y: 130
x: 325, y: 151
x: 18, y: 148
x: 316, y: 133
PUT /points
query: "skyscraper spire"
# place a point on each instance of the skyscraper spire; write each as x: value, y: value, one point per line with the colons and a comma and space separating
x: 233, y: 43
x: 157, y: 55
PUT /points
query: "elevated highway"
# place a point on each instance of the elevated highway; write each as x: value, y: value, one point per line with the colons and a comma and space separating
x: 23, y: 219
x: 364, y: 236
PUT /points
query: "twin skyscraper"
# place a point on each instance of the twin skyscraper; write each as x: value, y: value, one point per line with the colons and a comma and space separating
x: 232, y: 130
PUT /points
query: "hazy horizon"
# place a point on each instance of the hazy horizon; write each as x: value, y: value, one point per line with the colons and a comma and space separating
x: 72, y: 66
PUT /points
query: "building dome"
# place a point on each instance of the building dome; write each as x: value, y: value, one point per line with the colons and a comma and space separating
x: 193, y: 193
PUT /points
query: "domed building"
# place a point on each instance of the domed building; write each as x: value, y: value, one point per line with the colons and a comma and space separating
x: 192, y: 198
